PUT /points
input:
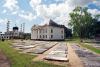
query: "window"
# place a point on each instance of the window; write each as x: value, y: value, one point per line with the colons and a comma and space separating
x: 43, y: 36
x: 40, y: 36
x: 62, y: 31
x: 51, y: 30
x: 62, y: 36
x: 46, y: 36
x: 40, y: 31
x: 43, y: 30
x: 51, y: 36
x: 46, y: 30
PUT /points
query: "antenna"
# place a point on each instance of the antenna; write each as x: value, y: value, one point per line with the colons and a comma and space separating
x: 8, y: 25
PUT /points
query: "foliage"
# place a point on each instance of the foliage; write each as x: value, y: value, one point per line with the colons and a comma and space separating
x: 81, y: 22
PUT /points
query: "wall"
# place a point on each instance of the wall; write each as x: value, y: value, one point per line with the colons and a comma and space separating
x: 46, y: 31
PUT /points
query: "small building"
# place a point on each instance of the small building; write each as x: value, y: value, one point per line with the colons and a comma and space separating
x: 4, y: 36
x: 50, y: 31
x: 14, y: 34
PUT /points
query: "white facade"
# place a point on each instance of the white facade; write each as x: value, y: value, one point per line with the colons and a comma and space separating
x: 4, y: 36
x: 47, y: 32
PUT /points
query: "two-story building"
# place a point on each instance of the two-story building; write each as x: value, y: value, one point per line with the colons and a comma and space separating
x: 49, y: 31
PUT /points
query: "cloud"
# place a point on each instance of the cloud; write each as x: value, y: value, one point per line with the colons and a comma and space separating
x: 97, y: 3
x: 78, y: 2
x: 15, y: 12
x: 28, y: 16
x: 52, y: 11
x: 57, y: 12
x: 34, y: 3
x: 4, y: 11
x: 3, y: 21
x: 11, y: 4
x: 94, y: 12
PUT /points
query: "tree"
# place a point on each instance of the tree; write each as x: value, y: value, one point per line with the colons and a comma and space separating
x: 97, y: 16
x: 81, y: 22
x: 96, y: 27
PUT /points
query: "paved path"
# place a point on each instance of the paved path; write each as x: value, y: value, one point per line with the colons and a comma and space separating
x: 41, y: 56
x: 3, y: 60
x: 74, y: 60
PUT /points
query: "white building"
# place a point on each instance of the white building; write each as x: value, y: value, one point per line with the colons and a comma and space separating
x: 14, y: 34
x: 4, y: 36
x: 50, y: 31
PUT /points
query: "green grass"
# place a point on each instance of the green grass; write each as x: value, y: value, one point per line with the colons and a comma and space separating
x: 21, y: 60
x: 90, y: 48
x: 78, y: 40
x: 73, y: 40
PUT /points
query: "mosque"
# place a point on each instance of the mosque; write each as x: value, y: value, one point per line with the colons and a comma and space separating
x: 14, y: 34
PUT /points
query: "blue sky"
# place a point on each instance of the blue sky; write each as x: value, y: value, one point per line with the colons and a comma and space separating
x: 38, y: 12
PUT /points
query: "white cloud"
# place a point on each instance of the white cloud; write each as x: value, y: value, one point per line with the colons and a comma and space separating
x: 97, y: 3
x: 55, y: 12
x: 11, y: 4
x: 14, y: 12
x: 94, y: 11
x: 41, y: 10
x: 4, y: 11
x: 34, y: 3
x: 60, y: 12
x: 28, y: 16
x: 78, y: 2
x: 3, y: 21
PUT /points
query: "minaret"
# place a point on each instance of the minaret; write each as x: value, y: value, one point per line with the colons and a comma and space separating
x: 8, y: 25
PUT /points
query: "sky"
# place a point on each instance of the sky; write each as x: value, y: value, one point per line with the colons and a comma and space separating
x: 38, y: 12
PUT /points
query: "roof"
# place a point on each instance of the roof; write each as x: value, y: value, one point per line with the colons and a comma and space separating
x: 15, y: 28
x: 48, y: 23
x: 52, y: 23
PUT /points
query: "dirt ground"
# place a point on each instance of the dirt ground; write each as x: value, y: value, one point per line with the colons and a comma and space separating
x: 74, y: 60
x: 3, y: 60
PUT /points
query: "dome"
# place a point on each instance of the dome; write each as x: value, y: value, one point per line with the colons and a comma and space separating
x: 15, y: 28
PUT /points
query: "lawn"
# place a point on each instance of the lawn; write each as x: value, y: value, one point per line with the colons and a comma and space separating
x: 21, y: 60
x: 73, y: 40
x: 77, y: 40
x: 90, y: 48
